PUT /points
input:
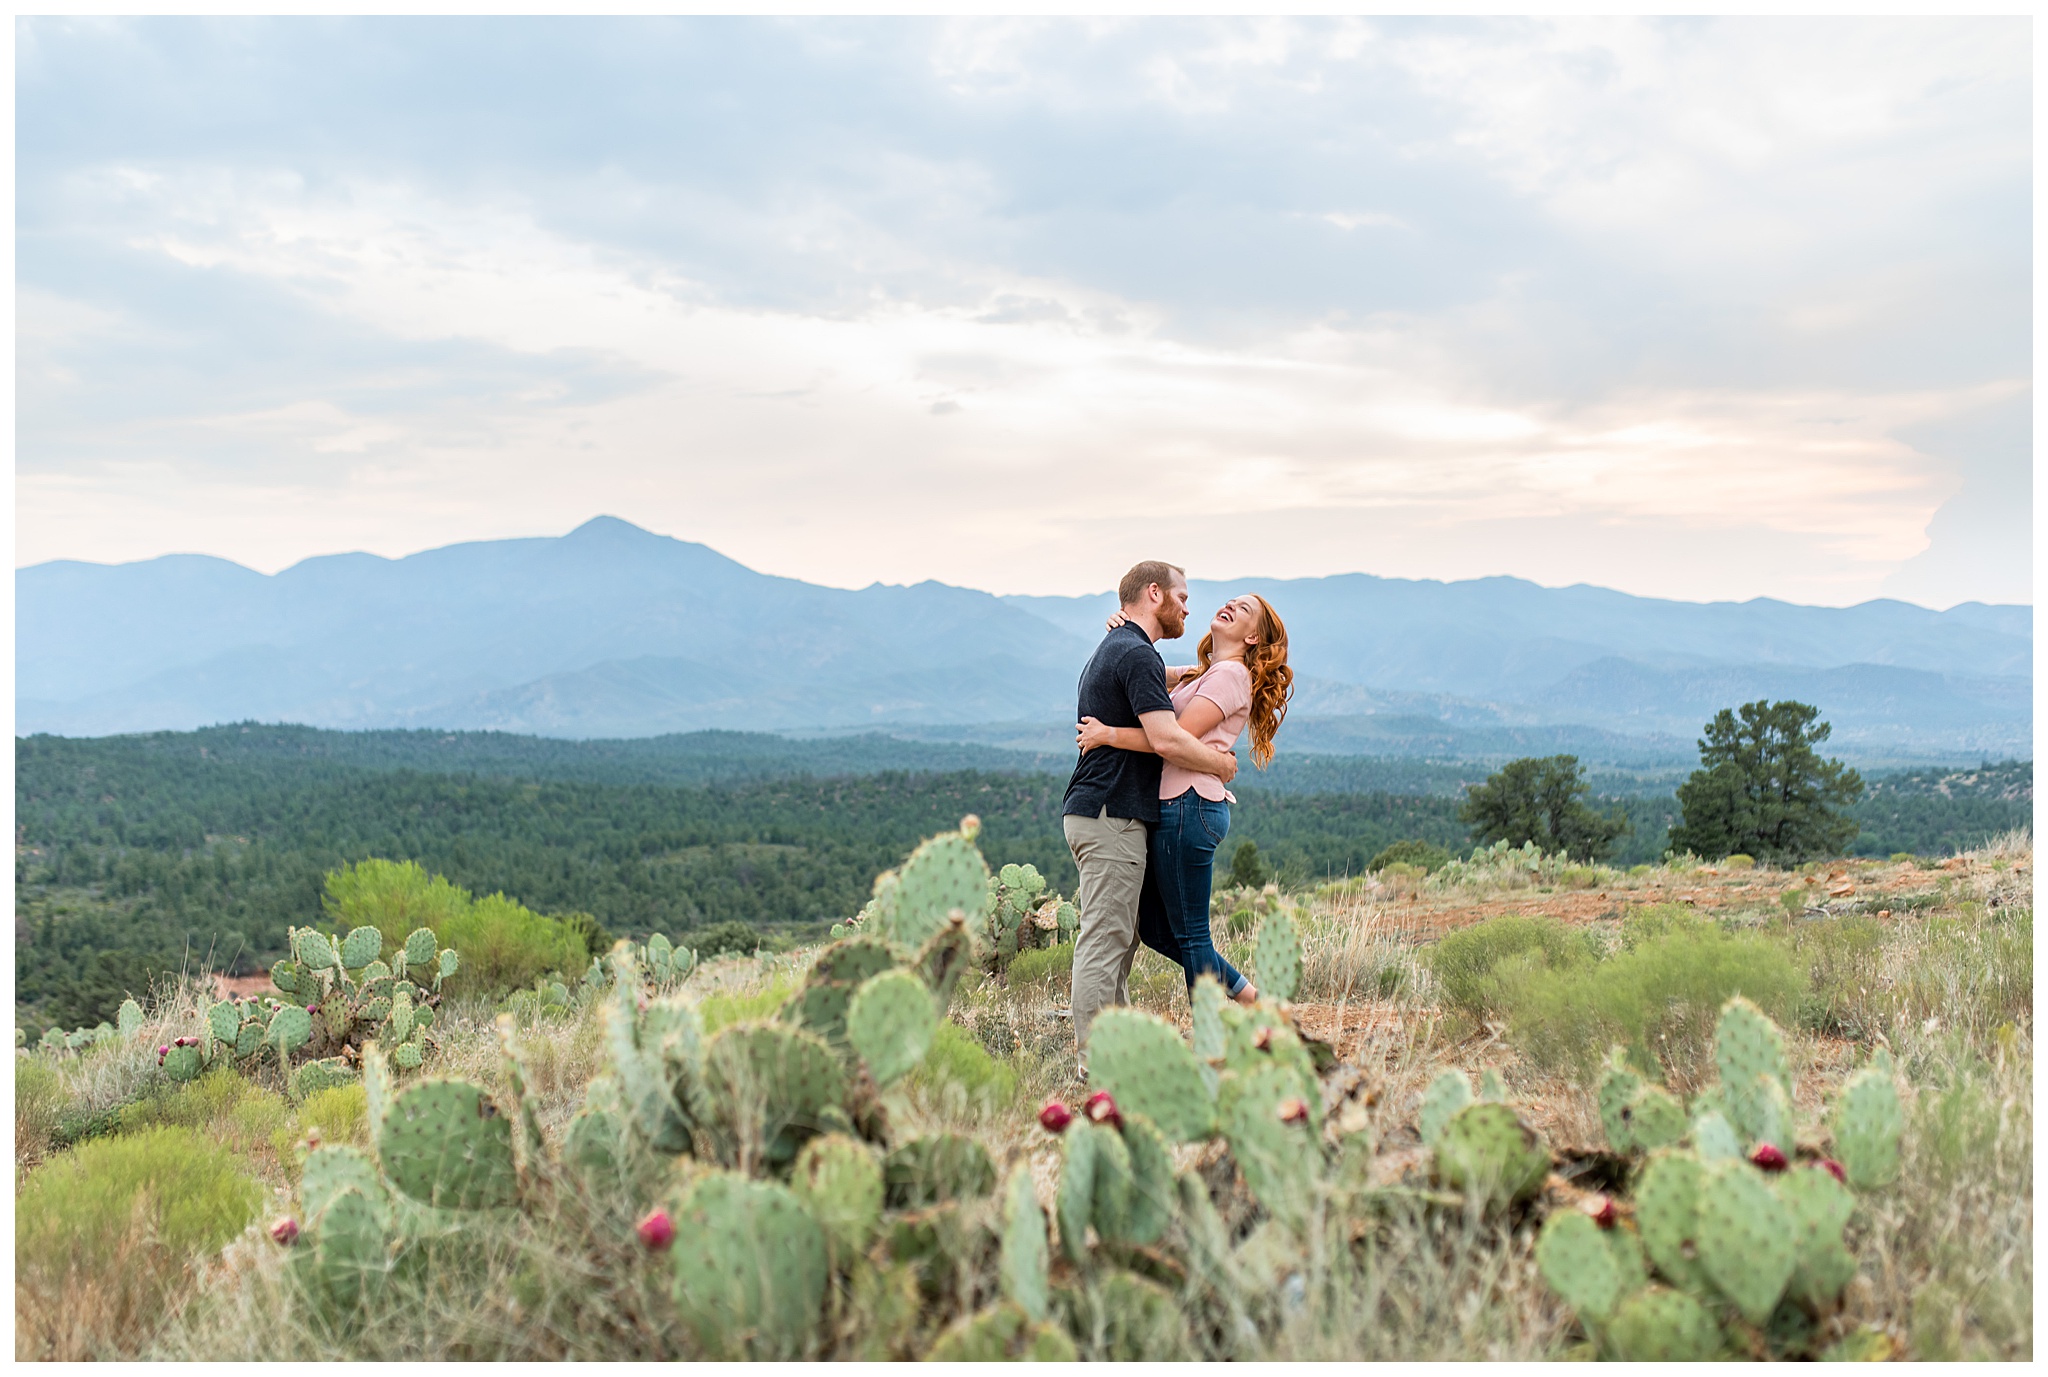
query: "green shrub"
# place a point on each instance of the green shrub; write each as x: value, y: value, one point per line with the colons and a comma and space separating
x: 504, y: 945
x: 1464, y: 962
x: 1844, y: 960
x: 958, y: 1060
x: 721, y: 1009
x: 340, y: 1112
x: 76, y: 1210
x: 723, y: 939
x: 1428, y: 856
x: 1659, y: 997
x: 1042, y: 967
x: 394, y: 897
x: 1738, y: 861
x: 38, y: 1098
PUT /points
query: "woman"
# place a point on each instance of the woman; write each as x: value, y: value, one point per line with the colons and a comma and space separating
x: 1240, y: 678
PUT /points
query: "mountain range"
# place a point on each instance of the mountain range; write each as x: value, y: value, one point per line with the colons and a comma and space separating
x: 613, y: 631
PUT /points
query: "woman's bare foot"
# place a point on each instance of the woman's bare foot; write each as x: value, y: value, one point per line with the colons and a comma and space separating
x: 1249, y: 994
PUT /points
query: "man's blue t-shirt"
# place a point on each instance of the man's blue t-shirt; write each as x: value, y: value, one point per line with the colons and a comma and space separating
x: 1125, y: 677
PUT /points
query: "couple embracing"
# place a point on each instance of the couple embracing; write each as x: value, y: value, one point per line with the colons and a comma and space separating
x: 1149, y: 804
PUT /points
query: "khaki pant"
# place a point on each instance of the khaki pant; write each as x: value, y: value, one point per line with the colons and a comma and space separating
x: 1110, y: 853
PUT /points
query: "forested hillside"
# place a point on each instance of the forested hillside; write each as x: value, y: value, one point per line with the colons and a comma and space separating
x: 137, y: 854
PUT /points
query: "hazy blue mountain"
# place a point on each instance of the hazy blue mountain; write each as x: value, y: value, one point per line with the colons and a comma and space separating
x: 611, y: 631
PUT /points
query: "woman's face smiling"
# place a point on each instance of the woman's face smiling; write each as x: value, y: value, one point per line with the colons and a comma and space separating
x: 1237, y: 621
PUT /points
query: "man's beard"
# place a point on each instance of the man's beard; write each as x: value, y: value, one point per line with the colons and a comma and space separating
x: 1172, y: 621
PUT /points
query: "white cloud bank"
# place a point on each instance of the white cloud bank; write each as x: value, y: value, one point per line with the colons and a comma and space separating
x: 1036, y: 430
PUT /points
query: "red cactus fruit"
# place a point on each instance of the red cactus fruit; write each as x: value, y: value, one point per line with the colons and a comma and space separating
x: 1834, y: 1169
x: 163, y: 1050
x: 1101, y: 1109
x: 1294, y: 1110
x: 1767, y: 1156
x: 656, y: 1231
x: 1600, y: 1209
x: 285, y: 1231
x: 1055, y: 1117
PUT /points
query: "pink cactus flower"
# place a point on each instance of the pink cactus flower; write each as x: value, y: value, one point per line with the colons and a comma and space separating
x: 1768, y: 1157
x: 1600, y: 1209
x: 285, y: 1231
x: 656, y: 1231
x: 1055, y: 1117
x: 1834, y: 1169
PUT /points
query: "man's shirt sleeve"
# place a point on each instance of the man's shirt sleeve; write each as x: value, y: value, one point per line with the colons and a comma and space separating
x: 1144, y: 679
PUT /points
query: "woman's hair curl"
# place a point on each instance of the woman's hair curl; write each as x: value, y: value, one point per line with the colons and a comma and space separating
x: 1272, y: 680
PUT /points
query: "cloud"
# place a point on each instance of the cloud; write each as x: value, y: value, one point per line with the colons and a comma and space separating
x: 1633, y: 303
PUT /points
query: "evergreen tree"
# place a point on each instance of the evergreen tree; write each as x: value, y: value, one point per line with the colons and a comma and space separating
x: 1246, y: 869
x: 1762, y: 790
x: 1541, y: 799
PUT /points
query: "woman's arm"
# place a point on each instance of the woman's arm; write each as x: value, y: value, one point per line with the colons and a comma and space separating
x: 1175, y: 674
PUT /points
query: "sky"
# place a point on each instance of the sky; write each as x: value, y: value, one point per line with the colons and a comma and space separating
x: 1703, y: 309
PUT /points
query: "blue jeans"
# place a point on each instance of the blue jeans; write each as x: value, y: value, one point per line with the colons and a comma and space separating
x: 1173, y: 908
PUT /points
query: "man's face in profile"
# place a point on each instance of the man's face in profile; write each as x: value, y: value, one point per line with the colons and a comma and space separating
x: 1173, y: 612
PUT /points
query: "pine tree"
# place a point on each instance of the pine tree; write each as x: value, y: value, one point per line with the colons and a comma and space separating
x: 1541, y: 799
x: 1763, y: 791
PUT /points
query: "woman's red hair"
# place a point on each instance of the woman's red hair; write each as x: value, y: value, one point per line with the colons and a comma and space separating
x: 1272, y: 680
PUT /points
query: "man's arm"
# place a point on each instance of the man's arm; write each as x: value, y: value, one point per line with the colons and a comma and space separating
x: 1172, y: 742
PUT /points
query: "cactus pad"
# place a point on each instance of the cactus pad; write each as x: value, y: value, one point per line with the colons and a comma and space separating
x: 290, y: 1029
x: 1771, y: 1110
x: 1617, y: 1093
x: 1748, y: 1240
x: 1663, y: 1326
x: 1075, y: 1204
x: 1276, y: 957
x: 1575, y: 1260
x: 1715, y: 1139
x: 767, y: 1086
x: 444, y: 1143
x: 349, y: 1253
x: 1110, y: 1209
x: 1142, y: 1061
x: 361, y: 947
x: 332, y: 1169
x: 1027, y: 1252
x: 1211, y: 1041
x: 1667, y: 1215
x: 1748, y: 1045
x: 1656, y: 1119
x: 324, y: 1074
x: 312, y: 949
x: 1280, y: 1159
x: 1447, y: 1094
x: 421, y: 946
x: 1820, y: 1207
x: 938, y: 1168
x: 890, y: 1022
x: 407, y: 1056
x: 1867, y: 1124
x: 1003, y: 1333
x: 839, y: 1181
x: 130, y: 1018
x: 854, y: 960
x: 1151, y: 1179
x: 1486, y: 1149
x: 183, y: 1063
x: 750, y: 1280
x: 224, y: 1021
x: 944, y: 874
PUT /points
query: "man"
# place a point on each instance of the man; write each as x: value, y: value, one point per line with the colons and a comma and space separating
x: 1113, y: 799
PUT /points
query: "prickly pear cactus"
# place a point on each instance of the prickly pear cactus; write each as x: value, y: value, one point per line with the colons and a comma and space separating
x: 1616, y: 1094
x: 325, y: 1074
x: 183, y: 1063
x: 331, y: 1169
x: 1210, y: 1038
x: 290, y: 1029
x: 313, y: 950
x: 130, y: 1019
x: 1027, y: 1251
x: 1820, y: 1207
x: 839, y: 1181
x: 1276, y: 958
x: 1659, y: 1325
x: 1075, y: 1204
x: 348, y: 1255
x: 1142, y: 1061
x: 1656, y: 1119
x: 767, y: 1087
x: 1447, y: 1094
x: 1715, y: 1140
x: 361, y: 947
x: 1486, y: 1149
x: 1772, y: 1110
x: 1575, y: 1260
x: 1003, y: 1333
x: 751, y: 1282
x: 443, y: 1142
x: 223, y: 1022
x: 944, y: 875
x: 1266, y: 1121
x: 1667, y: 1215
x: 1748, y: 1241
x: 937, y: 1168
x: 890, y: 1023
x: 1747, y: 1045
x: 1867, y: 1123
x: 1152, y: 1187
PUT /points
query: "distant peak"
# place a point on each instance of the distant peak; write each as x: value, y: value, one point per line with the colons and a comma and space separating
x: 610, y: 528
